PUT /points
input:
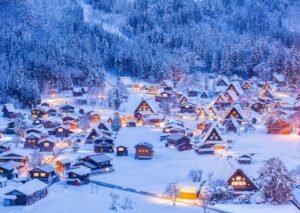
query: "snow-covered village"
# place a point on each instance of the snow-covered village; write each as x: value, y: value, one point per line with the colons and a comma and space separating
x: 149, y: 105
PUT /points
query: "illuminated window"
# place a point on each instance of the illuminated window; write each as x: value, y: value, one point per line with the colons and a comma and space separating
x: 46, y: 144
x: 1, y: 170
x: 35, y: 174
x: 238, y: 181
x: 43, y: 174
x: 60, y: 130
x: 121, y: 149
x: 187, y: 106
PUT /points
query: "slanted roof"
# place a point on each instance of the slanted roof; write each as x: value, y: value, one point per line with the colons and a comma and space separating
x: 237, y: 86
x: 149, y: 145
x: 81, y: 170
x: 10, y: 165
x: 175, y: 137
x: 10, y: 107
x: 32, y: 135
x: 211, y: 129
x: 98, y: 158
x: 30, y: 187
x: 47, y: 168
x: 126, y: 81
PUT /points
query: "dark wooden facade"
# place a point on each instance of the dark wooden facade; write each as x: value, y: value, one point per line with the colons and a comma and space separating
x: 144, y: 151
x: 241, y: 182
x: 122, y: 151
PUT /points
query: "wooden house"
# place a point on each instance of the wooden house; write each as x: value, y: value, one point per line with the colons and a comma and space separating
x: 10, y: 128
x: 244, y: 159
x: 92, y: 135
x: 204, y: 94
x: 4, y: 147
x: 122, y: 151
x: 182, y: 99
x: 280, y: 127
x: 187, y: 107
x: 235, y: 86
x: 103, y: 147
x: 32, y: 141
x: 13, y: 156
x: 237, y: 113
x: 40, y: 112
x: 98, y: 163
x: 231, y: 96
x: 279, y: 79
x: 167, y: 84
x: 9, y: 111
x: 188, y: 191
x: 94, y: 117
x: 26, y: 194
x: 145, y: 108
x: 8, y: 169
x: 62, y: 131
x: 63, y: 165
x: 267, y: 94
x: 231, y: 125
x: 47, y: 145
x: 45, y: 173
x: 246, y: 86
x: 67, y: 108
x: 259, y: 106
x: 52, y: 112
x: 71, y: 124
x: 179, y: 141
x: 241, y: 182
x: 193, y: 93
x: 70, y: 117
x: 212, y: 136
x: 203, y: 114
x: 222, y: 81
x: 104, y: 126
x: 103, y: 139
x: 143, y: 150
x: 78, y: 176
x: 221, y: 102
x: 39, y: 130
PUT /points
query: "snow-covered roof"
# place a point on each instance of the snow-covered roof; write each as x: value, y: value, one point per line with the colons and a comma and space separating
x: 10, y: 165
x: 207, y: 134
x: 99, y: 158
x: 233, y: 95
x: 10, y: 107
x: 149, y: 145
x: 168, y: 83
x: 31, y: 187
x: 82, y: 170
x: 237, y: 86
x: 104, y: 137
x: 239, y: 110
x: 176, y: 136
x: 32, y: 135
x: 46, y: 168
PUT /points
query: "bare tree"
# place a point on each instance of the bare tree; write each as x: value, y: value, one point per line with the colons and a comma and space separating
x: 205, y: 197
x: 195, y: 175
x: 36, y: 159
x: 172, y: 192
x: 127, y: 203
x: 114, y: 202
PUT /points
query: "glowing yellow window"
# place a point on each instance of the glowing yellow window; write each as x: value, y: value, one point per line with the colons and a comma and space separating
x: 46, y: 144
x: 1, y: 170
x: 60, y: 130
x: 121, y: 149
x: 43, y: 174
x: 36, y: 174
x: 238, y: 178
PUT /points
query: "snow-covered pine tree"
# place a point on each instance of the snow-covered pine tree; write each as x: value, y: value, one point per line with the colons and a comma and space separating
x: 116, y: 123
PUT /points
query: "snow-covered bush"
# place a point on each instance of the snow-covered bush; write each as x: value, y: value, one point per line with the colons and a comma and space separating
x: 275, y: 182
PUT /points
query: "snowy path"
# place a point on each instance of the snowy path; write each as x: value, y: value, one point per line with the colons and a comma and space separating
x: 151, y: 195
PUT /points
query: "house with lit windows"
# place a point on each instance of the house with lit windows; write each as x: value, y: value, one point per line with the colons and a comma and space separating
x: 203, y: 114
x: 187, y: 107
x: 32, y: 141
x: 78, y: 176
x: 97, y: 163
x: 240, y: 182
x: 62, y: 131
x: 146, y: 108
x: 47, y: 145
x: 9, y: 169
x: 40, y: 112
x: 246, y: 86
x: 144, y: 150
x: 237, y: 113
x: 26, y: 194
x: 122, y: 151
x: 235, y: 87
x: 45, y: 173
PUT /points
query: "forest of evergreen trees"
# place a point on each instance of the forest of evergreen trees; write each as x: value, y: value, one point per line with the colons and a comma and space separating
x: 48, y: 42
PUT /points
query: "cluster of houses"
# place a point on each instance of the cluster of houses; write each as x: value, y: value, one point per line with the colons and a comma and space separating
x: 233, y: 105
